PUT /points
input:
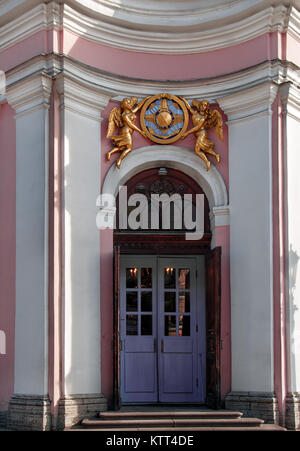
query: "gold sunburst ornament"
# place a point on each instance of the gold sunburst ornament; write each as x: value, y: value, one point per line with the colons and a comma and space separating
x: 164, y: 119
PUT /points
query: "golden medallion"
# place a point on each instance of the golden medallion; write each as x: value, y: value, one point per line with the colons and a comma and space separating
x: 164, y: 118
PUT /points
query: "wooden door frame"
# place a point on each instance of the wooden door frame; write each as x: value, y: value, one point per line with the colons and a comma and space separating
x: 175, y: 244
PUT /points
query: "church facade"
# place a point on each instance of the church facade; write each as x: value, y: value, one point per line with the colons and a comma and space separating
x: 111, y: 293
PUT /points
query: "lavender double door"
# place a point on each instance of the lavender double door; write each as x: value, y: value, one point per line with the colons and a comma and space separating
x: 162, y: 330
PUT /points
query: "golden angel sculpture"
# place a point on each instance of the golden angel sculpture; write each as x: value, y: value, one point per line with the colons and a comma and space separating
x: 204, y: 118
x: 123, y: 118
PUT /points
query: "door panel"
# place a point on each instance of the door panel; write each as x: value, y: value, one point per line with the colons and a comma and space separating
x: 161, y: 347
x: 138, y: 330
x: 181, y: 365
x: 140, y: 374
x: 177, y: 330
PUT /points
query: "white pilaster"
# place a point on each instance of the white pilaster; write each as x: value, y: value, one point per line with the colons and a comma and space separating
x: 81, y: 120
x: 251, y: 267
x: 290, y: 98
x: 30, y: 99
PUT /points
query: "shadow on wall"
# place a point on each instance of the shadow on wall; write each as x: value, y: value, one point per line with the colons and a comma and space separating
x: 294, y: 333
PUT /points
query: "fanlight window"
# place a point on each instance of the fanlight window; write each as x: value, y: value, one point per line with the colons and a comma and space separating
x: 153, y: 184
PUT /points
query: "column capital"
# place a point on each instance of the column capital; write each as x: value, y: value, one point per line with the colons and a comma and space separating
x: 81, y: 98
x: 220, y: 216
x: 249, y: 102
x: 290, y: 99
x: 30, y: 94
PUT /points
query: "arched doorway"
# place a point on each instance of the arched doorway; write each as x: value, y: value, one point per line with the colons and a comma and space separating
x: 166, y: 305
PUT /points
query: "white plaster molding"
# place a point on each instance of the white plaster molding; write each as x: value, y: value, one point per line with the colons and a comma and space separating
x: 164, y: 27
x: 249, y: 102
x: 30, y: 99
x: 185, y: 40
x: 43, y: 17
x: 220, y: 216
x: 174, y: 13
x: 77, y: 97
x: 92, y: 88
x: 50, y: 64
x: 175, y: 157
x: 81, y: 106
x: 290, y: 98
x: 293, y: 28
x: 212, y: 88
x: 30, y: 93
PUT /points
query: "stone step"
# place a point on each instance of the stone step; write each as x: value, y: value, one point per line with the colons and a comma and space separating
x: 261, y: 428
x: 183, y: 423
x: 125, y: 415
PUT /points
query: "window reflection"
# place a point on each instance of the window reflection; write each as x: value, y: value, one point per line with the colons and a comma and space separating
x: 184, y: 302
x: 146, y: 324
x: 146, y: 301
x: 131, y: 324
x: 184, y: 326
x: 131, y: 277
x: 146, y: 277
x: 170, y: 281
x: 170, y: 325
x: 184, y: 279
x: 170, y: 301
x: 131, y: 301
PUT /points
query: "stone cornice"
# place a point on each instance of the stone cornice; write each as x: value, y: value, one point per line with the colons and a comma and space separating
x: 249, y: 102
x: 158, y: 30
x: 30, y: 93
x: 293, y: 28
x: 290, y: 99
x: 41, y: 18
x: 106, y: 85
x: 220, y: 216
x: 184, y: 40
x: 80, y: 98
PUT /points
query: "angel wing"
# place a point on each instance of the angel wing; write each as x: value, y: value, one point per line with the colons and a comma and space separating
x: 114, y: 120
x: 215, y: 121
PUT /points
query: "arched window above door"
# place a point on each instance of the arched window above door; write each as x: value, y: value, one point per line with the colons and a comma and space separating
x: 154, y: 183
x: 157, y: 182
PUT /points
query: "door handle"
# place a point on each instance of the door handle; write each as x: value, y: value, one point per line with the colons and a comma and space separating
x: 162, y: 345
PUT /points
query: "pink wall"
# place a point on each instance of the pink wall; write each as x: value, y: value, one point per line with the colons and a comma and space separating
x: 8, y: 248
x: 171, y: 67
x: 106, y: 308
x: 24, y: 50
x: 146, y: 65
x: 292, y: 50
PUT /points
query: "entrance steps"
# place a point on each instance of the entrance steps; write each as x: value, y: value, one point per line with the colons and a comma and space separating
x: 176, y: 420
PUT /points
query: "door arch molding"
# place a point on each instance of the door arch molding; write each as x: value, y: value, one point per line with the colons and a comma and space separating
x: 176, y: 157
